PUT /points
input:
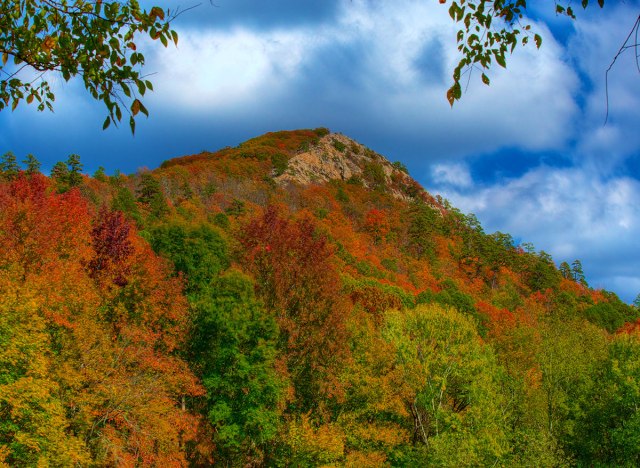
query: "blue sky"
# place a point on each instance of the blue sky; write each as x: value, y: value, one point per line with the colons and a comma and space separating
x: 529, y: 155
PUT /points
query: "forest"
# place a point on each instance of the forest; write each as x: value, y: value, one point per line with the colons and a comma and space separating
x: 297, y: 300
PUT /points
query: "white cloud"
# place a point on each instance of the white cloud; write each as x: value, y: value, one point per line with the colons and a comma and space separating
x: 380, y: 86
x: 570, y: 213
x: 456, y: 175
x: 217, y: 70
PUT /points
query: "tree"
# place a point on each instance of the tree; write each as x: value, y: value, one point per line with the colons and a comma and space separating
x: 150, y: 193
x: 100, y: 174
x: 490, y: 29
x: 9, y: 167
x: 609, y: 430
x: 450, y: 387
x: 299, y: 283
x: 93, y: 39
x: 74, y: 176
x: 59, y: 173
x: 577, y: 273
x: 32, y: 164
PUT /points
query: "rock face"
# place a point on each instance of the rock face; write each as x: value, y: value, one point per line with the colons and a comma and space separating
x: 337, y: 157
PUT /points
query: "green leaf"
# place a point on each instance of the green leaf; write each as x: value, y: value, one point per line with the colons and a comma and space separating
x: 132, y: 125
x: 485, y: 79
x: 141, y: 87
x: 106, y: 123
x: 538, y: 40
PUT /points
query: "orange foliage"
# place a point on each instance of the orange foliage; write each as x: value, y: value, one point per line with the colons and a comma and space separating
x: 630, y: 328
x: 117, y: 318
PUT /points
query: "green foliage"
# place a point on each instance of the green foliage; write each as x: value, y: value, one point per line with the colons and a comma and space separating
x: 481, y: 44
x: 373, y: 174
x: 451, y: 296
x: 149, y: 193
x: 234, y: 347
x: 9, y: 168
x: 198, y: 252
x: 611, y: 315
x: 452, y: 387
x: 337, y: 144
x: 423, y: 224
x: 95, y: 40
x: 609, y: 429
x: 100, y: 174
x: 124, y: 200
x: 60, y: 174
x: 74, y: 175
x: 400, y: 166
x: 32, y: 165
x: 280, y: 162
x: 237, y: 208
x: 321, y: 131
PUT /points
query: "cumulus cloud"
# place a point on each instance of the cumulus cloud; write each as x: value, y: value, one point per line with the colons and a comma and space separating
x: 456, y: 175
x: 378, y: 72
x: 570, y: 213
x: 385, y: 65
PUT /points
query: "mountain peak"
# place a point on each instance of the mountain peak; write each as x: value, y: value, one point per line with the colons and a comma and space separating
x: 334, y: 156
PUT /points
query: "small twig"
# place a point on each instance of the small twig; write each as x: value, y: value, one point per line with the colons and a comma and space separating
x: 622, y: 48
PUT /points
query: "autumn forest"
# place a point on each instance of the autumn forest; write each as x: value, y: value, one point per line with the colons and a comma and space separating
x: 297, y: 300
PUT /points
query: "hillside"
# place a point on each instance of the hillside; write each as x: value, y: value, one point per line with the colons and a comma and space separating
x: 295, y: 300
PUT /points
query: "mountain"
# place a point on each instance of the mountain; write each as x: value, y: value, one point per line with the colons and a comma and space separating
x: 295, y: 300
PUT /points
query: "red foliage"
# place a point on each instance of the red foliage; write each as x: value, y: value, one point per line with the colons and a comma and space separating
x: 298, y: 281
x: 630, y: 328
x: 112, y: 246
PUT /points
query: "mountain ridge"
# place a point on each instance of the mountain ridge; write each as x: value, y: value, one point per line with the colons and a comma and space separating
x: 295, y: 300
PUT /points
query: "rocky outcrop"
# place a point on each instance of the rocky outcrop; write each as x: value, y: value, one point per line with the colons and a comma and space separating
x: 337, y: 157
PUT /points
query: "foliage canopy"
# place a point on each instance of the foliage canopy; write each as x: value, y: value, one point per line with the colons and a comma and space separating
x: 95, y: 40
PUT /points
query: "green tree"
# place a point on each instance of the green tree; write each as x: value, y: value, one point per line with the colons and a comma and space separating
x: 565, y: 271
x: 9, y: 168
x: 100, y: 174
x: 233, y: 348
x: 450, y: 382
x: 609, y: 430
x: 96, y: 40
x: 198, y: 252
x: 74, y: 174
x: 149, y: 192
x: 577, y: 273
x: 60, y: 175
x: 32, y: 165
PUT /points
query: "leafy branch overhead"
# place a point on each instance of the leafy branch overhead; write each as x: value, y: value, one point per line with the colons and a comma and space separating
x: 96, y: 40
x: 489, y: 31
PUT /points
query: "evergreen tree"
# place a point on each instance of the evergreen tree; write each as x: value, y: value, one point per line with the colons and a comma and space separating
x: 32, y: 164
x: 60, y: 175
x: 150, y: 193
x: 100, y: 174
x: 565, y: 271
x: 74, y: 177
x: 9, y: 167
x: 578, y: 274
